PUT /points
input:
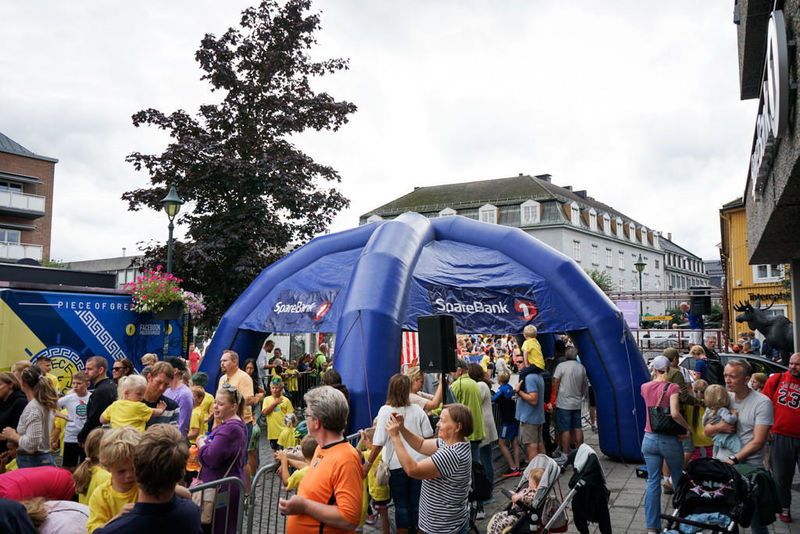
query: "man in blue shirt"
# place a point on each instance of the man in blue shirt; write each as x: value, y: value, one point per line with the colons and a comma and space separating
x: 530, y: 412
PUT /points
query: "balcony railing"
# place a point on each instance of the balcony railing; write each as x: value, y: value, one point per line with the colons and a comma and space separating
x: 22, y: 204
x: 17, y: 251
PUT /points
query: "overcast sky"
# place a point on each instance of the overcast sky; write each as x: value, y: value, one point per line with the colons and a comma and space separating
x: 637, y: 102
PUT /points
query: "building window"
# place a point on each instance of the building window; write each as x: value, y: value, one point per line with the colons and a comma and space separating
x: 9, y: 236
x: 632, y: 231
x: 488, y: 214
x: 575, y: 216
x: 622, y: 284
x: 10, y: 186
x: 592, y: 219
x: 609, y: 258
x: 576, y: 250
x: 764, y: 274
x: 658, y: 264
x: 606, y: 223
x: 530, y: 212
x: 621, y: 259
x: 595, y: 255
x: 619, y: 228
x: 447, y: 211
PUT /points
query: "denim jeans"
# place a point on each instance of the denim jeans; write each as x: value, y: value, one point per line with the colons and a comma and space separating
x: 405, y: 494
x: 486, y: 462
x: 656, y: 448
x: 36, y: 460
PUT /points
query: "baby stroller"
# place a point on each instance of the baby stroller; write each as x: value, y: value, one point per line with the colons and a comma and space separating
x: 544, y: 514
x: 710, y: 495
x: 588, y: 492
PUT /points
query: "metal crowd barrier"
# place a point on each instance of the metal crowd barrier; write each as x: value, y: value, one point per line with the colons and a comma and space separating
x: 266, y: 489
x: 222, y: 501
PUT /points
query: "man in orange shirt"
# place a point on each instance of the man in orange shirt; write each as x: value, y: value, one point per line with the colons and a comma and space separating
x: 331, y: 492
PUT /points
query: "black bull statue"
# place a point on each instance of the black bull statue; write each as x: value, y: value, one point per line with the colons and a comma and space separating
x: 777, y: 329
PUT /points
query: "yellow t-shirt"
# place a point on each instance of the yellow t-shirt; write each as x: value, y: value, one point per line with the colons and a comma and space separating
x: 128, y: 413
x: 207, y: 405
x: 99, y: 476
x: 378, y: 493
x: 287, y: 438
x: 699, y: 439
x: 61, y: 425
x: 196, y: 422
x: 533, y: 351
x: 291, y: 379
x: 244, y: 384
x: 295, y: 478
x: 106, y: 502
x: 12, y: 465
x: 275, y: 419
x: 485, y: 363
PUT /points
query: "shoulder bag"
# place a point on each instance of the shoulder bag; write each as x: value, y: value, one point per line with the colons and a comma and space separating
x: 206, y: 499
x: 661, y: 421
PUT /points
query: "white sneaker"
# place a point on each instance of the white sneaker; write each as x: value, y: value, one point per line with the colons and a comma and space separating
x: 561, y: 460
x: 481, y: 514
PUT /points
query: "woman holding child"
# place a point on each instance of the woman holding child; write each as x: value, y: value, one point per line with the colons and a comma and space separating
x: 32, y: 434
x: 658, y: 448
x: 224, y: 452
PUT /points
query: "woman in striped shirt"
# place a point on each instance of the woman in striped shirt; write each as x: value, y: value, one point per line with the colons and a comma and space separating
x: 446, y: 475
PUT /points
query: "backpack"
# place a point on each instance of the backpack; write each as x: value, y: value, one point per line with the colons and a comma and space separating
x: 714, y: 372
x: 547, y: 378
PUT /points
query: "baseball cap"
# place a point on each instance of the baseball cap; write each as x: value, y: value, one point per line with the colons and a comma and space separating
x: 661, y: 363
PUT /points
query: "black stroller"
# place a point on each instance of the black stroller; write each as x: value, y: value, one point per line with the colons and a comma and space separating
x: 588, y: 492
x: 711, y: 495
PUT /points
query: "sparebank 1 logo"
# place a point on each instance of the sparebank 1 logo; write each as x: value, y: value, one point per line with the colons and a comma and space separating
x: 312, y: 305
x: 321, y: 310
x: 525, y: 309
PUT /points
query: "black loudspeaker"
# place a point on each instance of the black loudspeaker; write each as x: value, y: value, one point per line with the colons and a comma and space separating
x: 701, y: 300
x: 437, y: 343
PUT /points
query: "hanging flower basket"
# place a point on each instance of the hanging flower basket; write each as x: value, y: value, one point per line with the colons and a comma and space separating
x: 170, y: 312
x: 160, y: 294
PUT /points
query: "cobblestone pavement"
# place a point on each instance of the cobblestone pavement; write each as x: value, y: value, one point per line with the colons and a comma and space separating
x: 626, y: 501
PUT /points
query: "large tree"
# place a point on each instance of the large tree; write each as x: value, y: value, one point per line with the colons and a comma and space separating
x: 252, y: 194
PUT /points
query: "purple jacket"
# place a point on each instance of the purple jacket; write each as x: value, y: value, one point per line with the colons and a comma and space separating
x: 183, y: 396
x: 226, y: 442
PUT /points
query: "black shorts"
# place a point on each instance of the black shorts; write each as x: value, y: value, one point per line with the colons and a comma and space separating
x: 73, y: 455
x: 592, y: 400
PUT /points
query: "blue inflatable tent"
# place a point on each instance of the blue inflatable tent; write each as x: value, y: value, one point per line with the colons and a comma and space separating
x: 370, y: 283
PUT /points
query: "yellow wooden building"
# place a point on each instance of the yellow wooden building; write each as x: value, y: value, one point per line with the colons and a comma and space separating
x: 745, y: 282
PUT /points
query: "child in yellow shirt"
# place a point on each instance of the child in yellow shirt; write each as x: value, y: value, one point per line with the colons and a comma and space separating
x: 531, y: 349
x: 379, y: 494
x: 287, y: 438
x: 90, y: 474
x: 290, y: 377
x: 130, y: 411
x: 201, y: 380
x: 276, y: 407
x: 197, y: 422
x: 118, y: 494
x: 308, y: 447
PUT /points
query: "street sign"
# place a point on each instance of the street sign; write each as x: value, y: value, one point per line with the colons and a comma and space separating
x: 657, y: 318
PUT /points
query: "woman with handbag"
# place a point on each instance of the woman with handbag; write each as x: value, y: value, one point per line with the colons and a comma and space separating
x: 663, y: 433
x: 405, y: 490
x: 223, y: 454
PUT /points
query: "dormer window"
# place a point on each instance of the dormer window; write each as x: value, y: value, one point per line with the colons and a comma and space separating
x: 447, y: 211
x: 593, y: 219
x: 575, y: 214
x: 619, y: 228
x: 606, y: 224
x: 529, y: 212
x: 488, y: 214
x: 632, y: 231
x: 374, y: 217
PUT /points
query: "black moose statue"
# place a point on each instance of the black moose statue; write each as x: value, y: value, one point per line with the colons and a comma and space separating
x: 777, y: 329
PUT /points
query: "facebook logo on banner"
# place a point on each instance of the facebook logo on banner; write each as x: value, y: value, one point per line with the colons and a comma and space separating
x: 295, y: 310
x: 486, y: 310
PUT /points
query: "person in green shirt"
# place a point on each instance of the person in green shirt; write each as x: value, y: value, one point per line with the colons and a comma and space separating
x: 467, y: 392
x: 322, y: 358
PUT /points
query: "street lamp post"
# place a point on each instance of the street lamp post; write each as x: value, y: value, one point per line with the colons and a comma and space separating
x: 172, y: 205
x: 640, y: 265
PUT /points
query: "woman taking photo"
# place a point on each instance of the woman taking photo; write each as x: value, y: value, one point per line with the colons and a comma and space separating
x: 658, y: 448
x: 32, y: 435
x: 446, y: 475
x: 224, y: 452
x: 405, y: 491
x: 426, y: 401
x: 12, y: 402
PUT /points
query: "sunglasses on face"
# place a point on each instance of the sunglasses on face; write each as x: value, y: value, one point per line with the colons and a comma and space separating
x: 116, y: 368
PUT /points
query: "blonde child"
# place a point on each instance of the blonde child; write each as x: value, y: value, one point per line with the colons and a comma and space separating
x: 379, y: 494
x: 503, y: 520
x: 90, y: 474
x: 703, y: 445
x: 308, y: 447
x: 197, y: 421
x: 117, y: 495
x: 718, y: 408
x: 201, y: 380
x: 531, y: 349
x: 276, y: 407
x: 758, y: 381
x: 290, y: 376
x: 130, y: 411
x: 287, y: 438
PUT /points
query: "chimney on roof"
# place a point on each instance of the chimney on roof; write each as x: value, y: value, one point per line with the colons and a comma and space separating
x: 581, y: 193
x: 568, y: 187
x: 669, y: 236
x: 544, y: 177
x: 520, y: 174
x: 123, y: 252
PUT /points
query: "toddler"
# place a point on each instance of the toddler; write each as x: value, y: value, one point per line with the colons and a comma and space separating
x: 703, y: 446
x: 276, y: 407
x: 130, y: 411
x: 117, y: 495
x: 379, y: 494
x: 718, y: 408
x: 531, y: 349
x: 90, y: 474
x: 197, y: 421
x: 287, y: 438
x: 758, y: 381
x: 201, y: 380
x: 503, y: 520
x: 308, y: 447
